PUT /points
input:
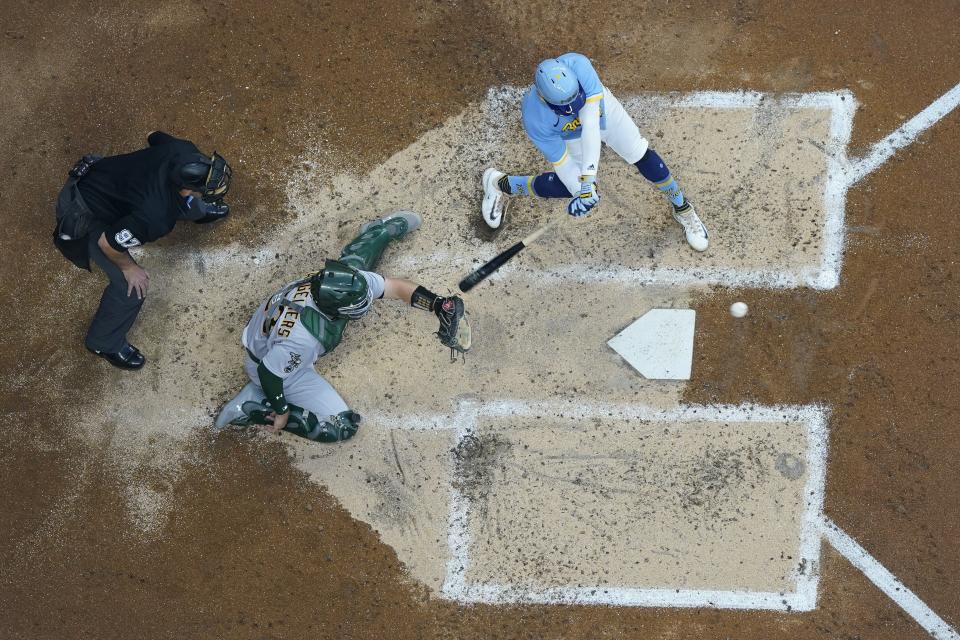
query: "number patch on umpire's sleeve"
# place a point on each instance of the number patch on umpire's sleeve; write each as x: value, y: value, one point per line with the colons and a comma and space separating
x: 126, y: 239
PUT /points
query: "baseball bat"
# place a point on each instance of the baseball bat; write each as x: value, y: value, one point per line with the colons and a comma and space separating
x: 485, y: 270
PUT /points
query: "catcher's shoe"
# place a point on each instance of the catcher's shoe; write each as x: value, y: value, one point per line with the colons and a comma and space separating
x: 233, y: 413
x: 693, y: 228
x: 495, y: 201
x: 398, y: 223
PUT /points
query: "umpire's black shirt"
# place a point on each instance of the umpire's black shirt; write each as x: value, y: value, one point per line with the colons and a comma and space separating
x: 133, y: 195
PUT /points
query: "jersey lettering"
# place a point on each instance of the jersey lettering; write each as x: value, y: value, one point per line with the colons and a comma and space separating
x: 289, y: 316
x: 574, y: 124
x: 300, y: 293
x: 289, y: 321
x: 268, y: 323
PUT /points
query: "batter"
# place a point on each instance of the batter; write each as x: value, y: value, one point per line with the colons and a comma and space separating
x: 567, y: 113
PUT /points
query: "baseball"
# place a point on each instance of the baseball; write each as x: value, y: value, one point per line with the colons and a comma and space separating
x: 738, y: 309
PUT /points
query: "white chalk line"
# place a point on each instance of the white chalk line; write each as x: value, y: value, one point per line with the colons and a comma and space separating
x: 904, y: 135
x: 818, y: 438
x: 835, y: 192
x: 626, y: 276
x: 469, y: 411
x: 458, y: 541
x: 887, y: 582
x: 806, y: 577
x: 627, y: 597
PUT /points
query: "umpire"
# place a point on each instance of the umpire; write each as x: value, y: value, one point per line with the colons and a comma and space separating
x: 110, y: 205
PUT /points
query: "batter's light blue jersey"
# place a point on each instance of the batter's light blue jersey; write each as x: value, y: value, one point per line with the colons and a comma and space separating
x: 546, y: 129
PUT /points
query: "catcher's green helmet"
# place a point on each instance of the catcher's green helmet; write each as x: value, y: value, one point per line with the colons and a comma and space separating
x: 340, y: 291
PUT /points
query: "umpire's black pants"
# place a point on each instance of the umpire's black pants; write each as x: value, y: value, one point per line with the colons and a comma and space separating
x: 117, y: 311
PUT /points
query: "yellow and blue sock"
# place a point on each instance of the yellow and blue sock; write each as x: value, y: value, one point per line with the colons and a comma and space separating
x: 517, y: 185
x: 653, y: 168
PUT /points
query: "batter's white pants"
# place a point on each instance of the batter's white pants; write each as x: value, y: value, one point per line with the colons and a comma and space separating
x: 621, y: 135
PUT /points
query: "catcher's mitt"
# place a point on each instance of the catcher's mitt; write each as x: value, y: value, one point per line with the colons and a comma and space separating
x: 454, y: 329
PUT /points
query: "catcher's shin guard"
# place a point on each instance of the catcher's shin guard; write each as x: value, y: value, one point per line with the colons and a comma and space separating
x: 364, y: 251
x: 232, y: 411
x: 398, y: 223
x: 305, y: 424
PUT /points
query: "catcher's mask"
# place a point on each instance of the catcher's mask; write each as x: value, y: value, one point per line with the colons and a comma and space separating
x: 208, y: 175
x: 340, y: 291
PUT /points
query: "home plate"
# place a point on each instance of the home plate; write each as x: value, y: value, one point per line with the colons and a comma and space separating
x: 659, y: 344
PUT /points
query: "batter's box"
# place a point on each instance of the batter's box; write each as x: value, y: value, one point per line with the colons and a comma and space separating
x: 767, y: 172
x: 712, y: 506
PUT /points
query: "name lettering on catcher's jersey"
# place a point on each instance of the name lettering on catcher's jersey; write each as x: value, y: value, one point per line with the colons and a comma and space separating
x: 303, y: 291
x: 288, y: 322
x: 284, y: 315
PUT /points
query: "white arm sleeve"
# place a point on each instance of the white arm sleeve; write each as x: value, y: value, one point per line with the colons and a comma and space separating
x: 569, y: 175
x: 590, y: 139
x: 375, y: 284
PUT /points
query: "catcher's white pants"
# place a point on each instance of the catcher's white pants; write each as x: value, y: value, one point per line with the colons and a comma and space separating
x: 621, y: 135
x: 306, y: 388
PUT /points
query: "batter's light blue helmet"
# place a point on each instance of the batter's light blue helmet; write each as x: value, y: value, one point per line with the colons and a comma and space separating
x: 557, y: 85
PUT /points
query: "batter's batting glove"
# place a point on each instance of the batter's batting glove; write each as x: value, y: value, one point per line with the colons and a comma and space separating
x: 581, y: 204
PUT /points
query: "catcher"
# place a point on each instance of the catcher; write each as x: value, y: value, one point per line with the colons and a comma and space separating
x: 305, y: 321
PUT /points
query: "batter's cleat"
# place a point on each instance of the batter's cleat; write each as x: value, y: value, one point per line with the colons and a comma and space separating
x: 129, y: 357
x: 233, y: 413
x: 693, y: 228
x: 398, y: 223
x: 495, y: 201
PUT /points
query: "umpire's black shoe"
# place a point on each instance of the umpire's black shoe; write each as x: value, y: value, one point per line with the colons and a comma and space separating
x: 128, y: 357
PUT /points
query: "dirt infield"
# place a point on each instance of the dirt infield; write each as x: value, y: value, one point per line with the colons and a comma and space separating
x: 109, y: 530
